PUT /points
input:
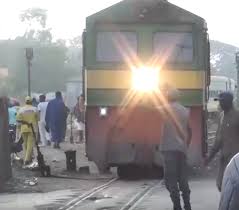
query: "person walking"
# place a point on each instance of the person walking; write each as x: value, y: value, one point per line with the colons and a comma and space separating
x: 230, y: 186
x: 67, y: 111
x: 13, y: 108
x: 227, y: 135
x: 79, y: 112
x: 56, y: 119
x: 12, y: 121
x: 27, y: 116
x: 176, y: 137
x: 44, y: 135
x: 34, y: 102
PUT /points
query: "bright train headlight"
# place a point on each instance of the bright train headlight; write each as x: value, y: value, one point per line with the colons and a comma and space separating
x: 103, y: 111
x: 145, y: 79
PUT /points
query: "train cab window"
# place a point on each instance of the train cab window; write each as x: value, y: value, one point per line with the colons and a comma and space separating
x: 115, y: 46
x: 174, y: 47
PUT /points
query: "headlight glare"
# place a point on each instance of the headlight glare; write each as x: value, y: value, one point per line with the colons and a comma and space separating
x: 103, y: 111
x: 145, y: 79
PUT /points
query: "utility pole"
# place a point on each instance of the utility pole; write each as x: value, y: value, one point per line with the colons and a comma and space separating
x: 29, y: 57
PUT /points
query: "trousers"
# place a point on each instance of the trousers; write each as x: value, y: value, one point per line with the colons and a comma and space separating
x: 176, y: 178
x: 44, y: 135
x: 28, y: 142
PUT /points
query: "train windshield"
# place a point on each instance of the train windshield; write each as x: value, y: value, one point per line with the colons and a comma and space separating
x: 174, y: 47
x: 116, y: 46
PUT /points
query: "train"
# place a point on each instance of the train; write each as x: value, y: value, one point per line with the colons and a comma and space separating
x: 219, y: 84
x: 130, y: 51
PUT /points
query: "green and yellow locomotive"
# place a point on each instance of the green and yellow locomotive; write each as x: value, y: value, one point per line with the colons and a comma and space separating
x: 130, y: 50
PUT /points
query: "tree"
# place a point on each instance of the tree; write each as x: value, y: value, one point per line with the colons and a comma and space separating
x: 74, y: 53
x: 61, y: 42
x: 36, y: 25
x: 44, y: 36
x: 36, y: 15
x: 53, y: 62
x: 76, y: 42
x: 48, y: 70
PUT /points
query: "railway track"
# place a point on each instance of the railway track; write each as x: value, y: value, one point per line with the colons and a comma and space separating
x: 138, y: 198
x: 211, y: 137
x: 76, y: 201
x: 123, y: 196
x: 212, y: 132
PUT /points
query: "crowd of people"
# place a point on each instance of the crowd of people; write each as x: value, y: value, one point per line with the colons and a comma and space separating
x: 50, y: 119
x: 44, y: 119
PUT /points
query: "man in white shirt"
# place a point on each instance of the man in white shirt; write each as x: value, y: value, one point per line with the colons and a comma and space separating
x: 42, y: 106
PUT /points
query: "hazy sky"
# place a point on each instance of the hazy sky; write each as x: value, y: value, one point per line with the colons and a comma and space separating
x: 67, y: 17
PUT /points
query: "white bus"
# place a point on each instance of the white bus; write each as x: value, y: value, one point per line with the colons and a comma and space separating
x: 219, y: 84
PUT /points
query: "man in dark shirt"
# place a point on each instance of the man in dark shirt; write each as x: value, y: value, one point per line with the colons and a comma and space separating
x: 227, y: 137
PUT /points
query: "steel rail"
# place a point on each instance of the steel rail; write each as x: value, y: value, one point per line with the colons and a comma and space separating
x: 135, y: 200
x: 212, y: 132
x: 76, y: 201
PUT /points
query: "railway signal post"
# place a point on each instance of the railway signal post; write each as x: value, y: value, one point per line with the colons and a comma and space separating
x: 237, y: 64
